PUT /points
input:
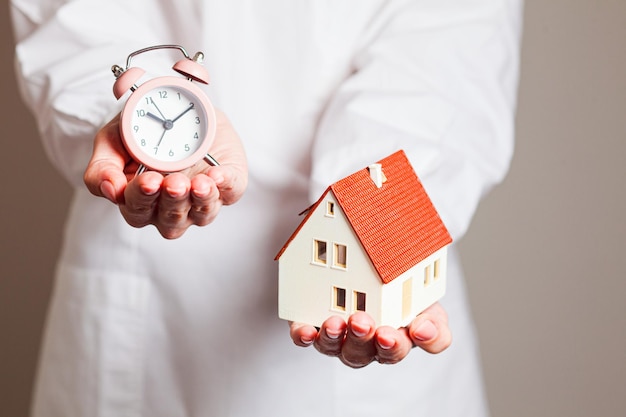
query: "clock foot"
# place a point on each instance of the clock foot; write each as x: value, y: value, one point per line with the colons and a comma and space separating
x: 142, y: 168
x: 210, y: 160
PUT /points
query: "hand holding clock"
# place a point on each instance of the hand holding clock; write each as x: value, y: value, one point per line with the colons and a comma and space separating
x: 170, y: 202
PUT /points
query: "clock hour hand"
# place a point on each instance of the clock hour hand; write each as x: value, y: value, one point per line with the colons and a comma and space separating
x: 184, y: 111
x: 167, y: 124
x: 155, y: 117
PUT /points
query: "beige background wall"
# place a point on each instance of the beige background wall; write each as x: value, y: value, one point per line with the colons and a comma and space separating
x: 544, y: 255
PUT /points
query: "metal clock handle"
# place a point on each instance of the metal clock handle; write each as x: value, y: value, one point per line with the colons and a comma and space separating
x: 153, y: 48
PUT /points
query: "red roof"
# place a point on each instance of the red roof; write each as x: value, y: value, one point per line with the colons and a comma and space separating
x: 397, y: 224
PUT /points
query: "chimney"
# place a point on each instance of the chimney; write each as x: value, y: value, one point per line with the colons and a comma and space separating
x: 377, y: 175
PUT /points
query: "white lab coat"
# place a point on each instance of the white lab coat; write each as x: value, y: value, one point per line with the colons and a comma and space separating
x: 143, y: 326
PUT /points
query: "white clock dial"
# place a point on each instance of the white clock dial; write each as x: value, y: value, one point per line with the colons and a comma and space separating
x: 169, y: 123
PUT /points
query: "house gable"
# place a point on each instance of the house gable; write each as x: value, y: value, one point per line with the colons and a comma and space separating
x: 316, y: 279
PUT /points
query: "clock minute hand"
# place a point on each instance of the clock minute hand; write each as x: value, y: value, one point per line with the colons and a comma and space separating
x: 184, y: 111
x: 157, y: 107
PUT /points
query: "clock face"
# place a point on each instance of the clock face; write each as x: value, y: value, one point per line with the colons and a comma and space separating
x: 168, y: 124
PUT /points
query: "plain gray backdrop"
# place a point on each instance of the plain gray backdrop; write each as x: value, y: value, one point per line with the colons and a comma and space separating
x: 544, y: 255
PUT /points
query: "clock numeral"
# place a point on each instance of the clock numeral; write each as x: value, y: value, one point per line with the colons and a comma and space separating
x: 187, y: 148
x: 195, y: 135
x: 197, y: 120
x: 156, y: 149
x: 141, y: 113
x: 136, y: 128
x: 143, y: 142
x: 171, y: 153
x: 163, y: 94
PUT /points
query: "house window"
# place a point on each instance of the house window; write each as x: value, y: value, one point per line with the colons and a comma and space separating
x: 341, y: 253
x: 330, y: 209
x: 319, y: 252
x: 339, y: 298
x: 437, y: 271
x: 359, y: 300
x: 427, y: 275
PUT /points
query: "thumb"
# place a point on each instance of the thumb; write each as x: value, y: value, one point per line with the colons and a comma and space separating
x: 430, y: 330
x: 231, y: 180
x: 104, y: 175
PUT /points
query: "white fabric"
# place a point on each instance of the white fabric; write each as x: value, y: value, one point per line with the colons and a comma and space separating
x: 143, y: 326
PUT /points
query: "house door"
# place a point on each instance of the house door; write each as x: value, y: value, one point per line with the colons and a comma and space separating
x: 407, y: 297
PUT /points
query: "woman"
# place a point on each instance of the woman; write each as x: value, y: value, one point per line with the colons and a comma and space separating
x: 146, y: 326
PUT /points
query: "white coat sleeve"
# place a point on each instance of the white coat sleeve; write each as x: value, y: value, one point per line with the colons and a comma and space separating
x: 437, y: 79
x: 64, y: 52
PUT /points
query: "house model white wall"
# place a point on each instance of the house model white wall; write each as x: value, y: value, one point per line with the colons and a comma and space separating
x: 373, y: 242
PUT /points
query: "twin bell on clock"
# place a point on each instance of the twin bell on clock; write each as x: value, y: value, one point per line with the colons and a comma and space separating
x: 167, y: 123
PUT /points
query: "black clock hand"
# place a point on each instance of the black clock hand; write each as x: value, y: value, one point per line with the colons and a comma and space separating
x: 185, y: 111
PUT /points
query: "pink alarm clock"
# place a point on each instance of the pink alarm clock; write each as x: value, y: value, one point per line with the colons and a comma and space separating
x: 167, y: 123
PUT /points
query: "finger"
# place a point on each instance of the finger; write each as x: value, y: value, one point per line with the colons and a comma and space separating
x: 392, y: 345
x: 205, y: 201
x: 140, y: 199
x: 104, y: 175
x: 231, y: 176
x: 174, y: 203
x: 331, y: 335
x: 430, y: 331
x: 302, y: 334
x: 359, y: 345
x: 230, y: 181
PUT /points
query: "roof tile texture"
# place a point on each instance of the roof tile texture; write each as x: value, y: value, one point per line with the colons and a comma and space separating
x: 397, y: 224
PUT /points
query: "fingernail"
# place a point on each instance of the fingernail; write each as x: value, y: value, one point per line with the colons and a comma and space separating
x: 306, y: 341
x: 202, y: 191
x: 359, y: 329
x: 175, y: 191
x: 108, y: 191
x: 149, y: 189
x: 385, y: 343
x: 333, y: 333
x: 425, y: 331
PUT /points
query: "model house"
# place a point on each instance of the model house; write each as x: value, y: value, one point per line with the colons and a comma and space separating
x: 373, y: 242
